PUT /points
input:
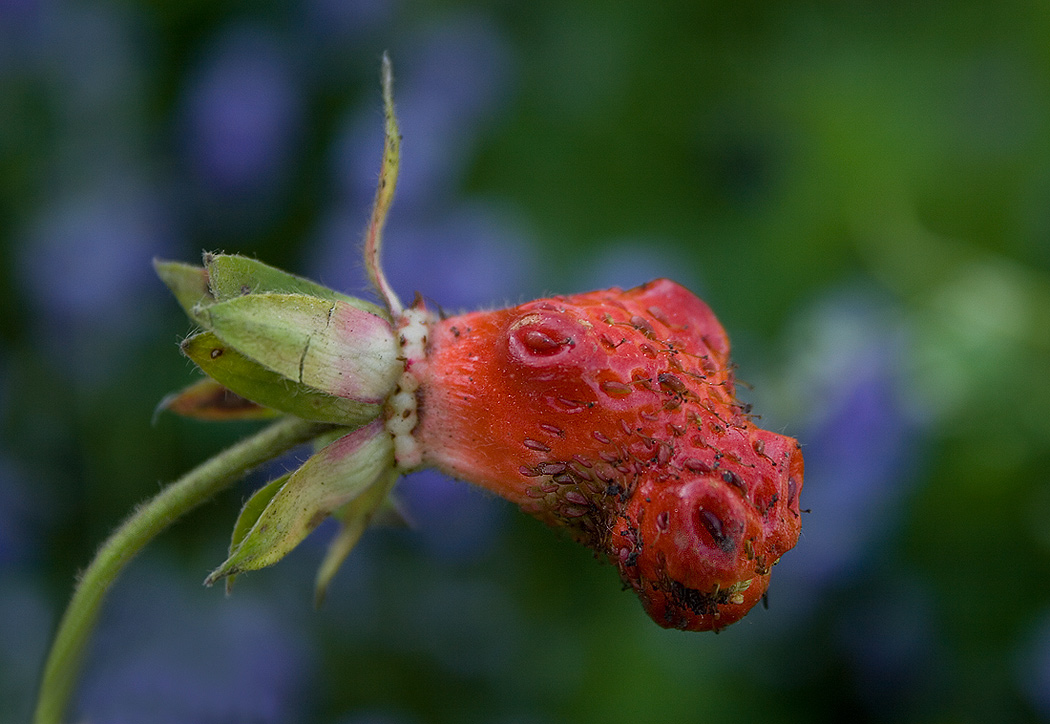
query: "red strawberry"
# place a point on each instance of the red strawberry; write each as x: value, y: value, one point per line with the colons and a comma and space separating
x: 613, y: 414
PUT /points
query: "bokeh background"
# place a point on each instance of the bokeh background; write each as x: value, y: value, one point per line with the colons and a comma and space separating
x: 860, y: 189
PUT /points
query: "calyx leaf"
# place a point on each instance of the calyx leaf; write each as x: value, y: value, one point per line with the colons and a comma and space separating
x: 206, y: 399
x: 187, y: 282
x: 355, y: 518
x: 232, y: 275
x: 249, y: 515
x: 251, y: 380
x: 325, y: 344
x: 333, y: 477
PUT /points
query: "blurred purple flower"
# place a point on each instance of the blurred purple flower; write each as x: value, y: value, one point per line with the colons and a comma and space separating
x: 86, y: 269
x: 858, y: 458
x: 90, y: 253
x: 243, y: 113
x: 165, y: 653
x: 26, y: 620
x: 475, y: 255
x: 17, y: 516
x: 346, y: 20
x: 20, y: 31
x: 860, y: 445
x: 454, y: 520
x: 447, y: 84
x: 1033, y: 666
x: 12, y: 11
x: 376, y: 717
x: 470, y: 628
x: 627, y: 263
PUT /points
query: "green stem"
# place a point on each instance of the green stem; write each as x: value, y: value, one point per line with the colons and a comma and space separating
x: 197, y: 486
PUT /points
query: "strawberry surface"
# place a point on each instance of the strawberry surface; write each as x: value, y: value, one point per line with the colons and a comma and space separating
x: 613, y: 414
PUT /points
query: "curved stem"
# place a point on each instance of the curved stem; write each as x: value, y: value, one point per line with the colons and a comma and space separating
x: 384, y: 195
x: 148, y: 520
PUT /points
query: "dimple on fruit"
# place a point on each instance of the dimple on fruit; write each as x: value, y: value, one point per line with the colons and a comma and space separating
x: 610, y: 414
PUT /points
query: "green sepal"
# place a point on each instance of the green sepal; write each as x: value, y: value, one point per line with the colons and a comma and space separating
x: 330, y: 479
x: 208, y: 400
x: 250, y: 513
x: 251, y: 380
x: 232, y: 275
x: 325, y: 344
x: 355, y: 518
x: 187, y: 282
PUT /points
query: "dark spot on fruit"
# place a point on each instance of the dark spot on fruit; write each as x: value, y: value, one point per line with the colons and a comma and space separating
x: 216, y: 353
x: 539, y: 342
x: 571, y: 405
x: 658, y: 314
x: 713, y: 524
x: 575, y: 496
x: 643, y: 326
x: 698, y: 602
x: 663, y: 519
x: 614, y: 388
x: 772, y: 502
x: 551, y: 468
x: 696, y: 465
x: 535, y: 445
x: 672, y: 383
x: 664, y: 453
x: 733, y: 479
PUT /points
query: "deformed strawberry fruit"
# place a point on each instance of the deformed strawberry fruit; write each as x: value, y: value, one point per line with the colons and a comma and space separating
x: 613, y: 414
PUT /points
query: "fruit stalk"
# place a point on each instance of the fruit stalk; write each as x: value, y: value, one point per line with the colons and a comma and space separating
x: 148, y: 520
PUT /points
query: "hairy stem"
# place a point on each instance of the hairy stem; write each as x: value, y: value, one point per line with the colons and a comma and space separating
x: 384, y: 195
x: 148, y: 520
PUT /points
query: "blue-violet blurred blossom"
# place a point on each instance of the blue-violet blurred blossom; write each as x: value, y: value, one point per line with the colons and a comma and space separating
x: 243, y: 115
x: 86, y: 269
x: 626, y: 263
x: 1033, y: 666
x: 861, y: 444
x: 448, y: 83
